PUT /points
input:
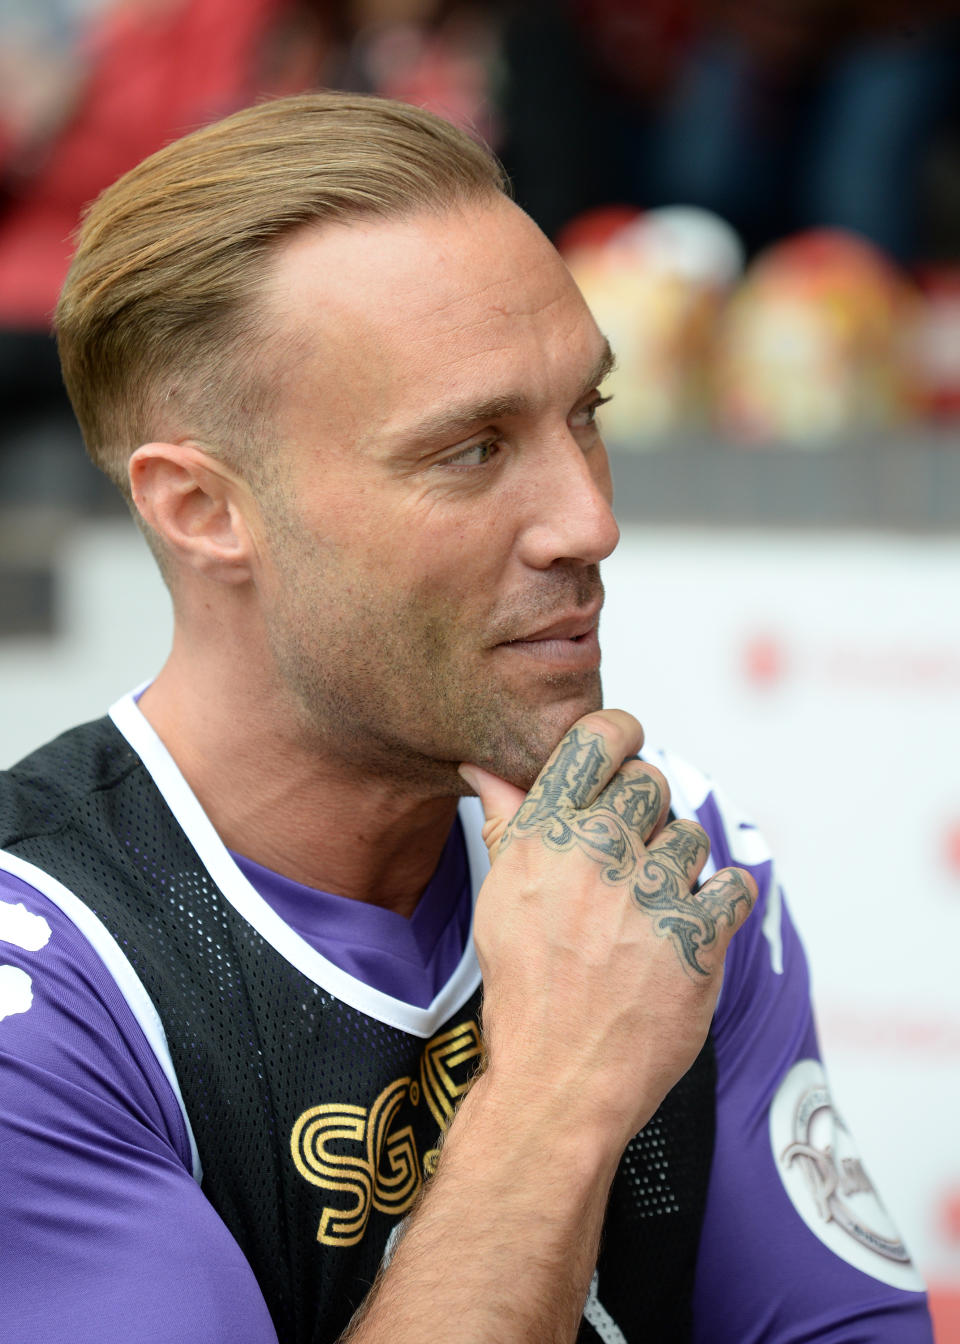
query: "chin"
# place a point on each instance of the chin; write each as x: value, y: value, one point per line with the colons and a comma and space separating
x: 520, y: 760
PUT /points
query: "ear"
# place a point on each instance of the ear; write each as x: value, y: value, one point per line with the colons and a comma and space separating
x: 197, y: 506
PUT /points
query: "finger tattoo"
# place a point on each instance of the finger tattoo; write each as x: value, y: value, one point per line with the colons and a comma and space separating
x: 558, y: 809
x: 692, y: 920
x: 567, y: 783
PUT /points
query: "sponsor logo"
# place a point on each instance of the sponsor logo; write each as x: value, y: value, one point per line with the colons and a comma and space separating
x: 826, y: 1182
x: 367, y: 1158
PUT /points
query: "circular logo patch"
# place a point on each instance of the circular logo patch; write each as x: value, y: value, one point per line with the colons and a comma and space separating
x: 818, y: 1164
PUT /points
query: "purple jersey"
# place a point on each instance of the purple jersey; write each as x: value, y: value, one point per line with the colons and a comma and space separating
x: 108, y: 1237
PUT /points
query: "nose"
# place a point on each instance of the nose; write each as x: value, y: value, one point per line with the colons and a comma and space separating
x: 571, y: 518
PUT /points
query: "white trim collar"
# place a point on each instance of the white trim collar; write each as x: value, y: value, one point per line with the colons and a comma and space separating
x: 251, y: 906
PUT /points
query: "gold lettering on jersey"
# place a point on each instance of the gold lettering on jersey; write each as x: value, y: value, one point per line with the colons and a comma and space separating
x: 392, y: 1154
x: 455, y: 1048
x: 312, y: 1134
x: 367, y: 1158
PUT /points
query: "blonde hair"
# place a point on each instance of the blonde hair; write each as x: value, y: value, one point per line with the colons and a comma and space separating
x: 159, y: 326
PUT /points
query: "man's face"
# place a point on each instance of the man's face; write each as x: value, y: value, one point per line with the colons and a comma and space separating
x: 432, y: 591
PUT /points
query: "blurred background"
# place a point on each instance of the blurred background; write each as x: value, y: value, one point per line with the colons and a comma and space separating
x: 761, y: 201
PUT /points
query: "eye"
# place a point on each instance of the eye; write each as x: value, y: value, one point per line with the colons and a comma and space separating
x: 474, y: 455
x: 586, y: 417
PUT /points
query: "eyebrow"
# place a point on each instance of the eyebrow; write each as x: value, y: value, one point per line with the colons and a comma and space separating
x: 453, y: 419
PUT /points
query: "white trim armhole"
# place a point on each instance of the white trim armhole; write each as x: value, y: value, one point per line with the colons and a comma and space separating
x: 125, y: 977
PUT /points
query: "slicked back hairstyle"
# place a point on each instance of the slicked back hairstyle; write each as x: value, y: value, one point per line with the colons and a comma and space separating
x: 159, y: 324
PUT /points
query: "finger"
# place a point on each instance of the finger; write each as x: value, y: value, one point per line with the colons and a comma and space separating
x: 730, y: 895
x: 700, y: 924
x: 682, y: 847
x: 640, y: 797
x: 586, y: 758
x: 498, y: 799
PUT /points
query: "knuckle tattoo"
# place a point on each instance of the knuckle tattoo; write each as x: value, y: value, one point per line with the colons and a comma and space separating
x: 559, y: 812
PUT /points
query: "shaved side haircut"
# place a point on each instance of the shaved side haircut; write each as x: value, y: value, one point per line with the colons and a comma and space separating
x: 161, y: 326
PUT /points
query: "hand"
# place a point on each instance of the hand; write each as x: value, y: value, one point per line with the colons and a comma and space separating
x: 601, y: 963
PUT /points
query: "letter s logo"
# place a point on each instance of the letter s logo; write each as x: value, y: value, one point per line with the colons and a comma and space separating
x: 353, y: 1175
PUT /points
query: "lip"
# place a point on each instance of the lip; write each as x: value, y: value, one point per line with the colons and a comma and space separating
x: 568, y: 644
x: 572, y: 626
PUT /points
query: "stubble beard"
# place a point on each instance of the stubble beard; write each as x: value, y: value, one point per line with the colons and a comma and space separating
x: 386, y: 698
x: 420, y: 741
x: 516, y: 745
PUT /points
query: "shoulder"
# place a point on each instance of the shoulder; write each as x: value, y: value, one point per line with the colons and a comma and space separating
x: 99, y: 1192
x: 71, y: 1023
x: 789, y: 1202
x: 42, y: 792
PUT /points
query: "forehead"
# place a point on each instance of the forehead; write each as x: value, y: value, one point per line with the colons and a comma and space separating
x: 388, y: 319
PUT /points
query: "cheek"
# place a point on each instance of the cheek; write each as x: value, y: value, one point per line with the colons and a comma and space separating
x: 429, y: 565
x: 437, y: 615
x: 471, y: 554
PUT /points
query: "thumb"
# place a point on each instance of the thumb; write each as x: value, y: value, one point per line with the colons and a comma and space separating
x: 499, y: 800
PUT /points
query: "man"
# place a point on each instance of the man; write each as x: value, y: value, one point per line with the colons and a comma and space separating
x: 352, y: 392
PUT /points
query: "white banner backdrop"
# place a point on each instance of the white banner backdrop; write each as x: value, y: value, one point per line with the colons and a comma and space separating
x: 817, y: 676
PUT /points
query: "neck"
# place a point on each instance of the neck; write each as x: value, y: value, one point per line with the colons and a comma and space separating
x: 288, y: 805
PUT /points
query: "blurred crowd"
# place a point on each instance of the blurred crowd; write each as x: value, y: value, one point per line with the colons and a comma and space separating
x: 760, y: 197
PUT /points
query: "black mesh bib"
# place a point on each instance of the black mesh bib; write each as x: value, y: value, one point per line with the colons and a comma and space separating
x: 317, y: 1124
